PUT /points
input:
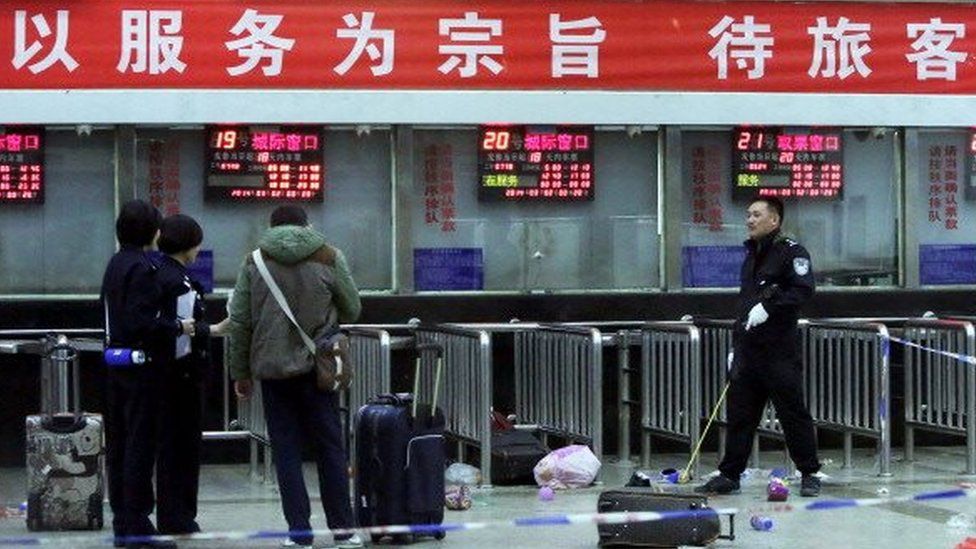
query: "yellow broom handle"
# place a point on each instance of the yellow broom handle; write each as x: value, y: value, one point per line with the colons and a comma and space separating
x: 694, y: 454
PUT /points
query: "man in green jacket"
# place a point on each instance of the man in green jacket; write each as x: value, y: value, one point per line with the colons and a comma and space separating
x: 264, y: 345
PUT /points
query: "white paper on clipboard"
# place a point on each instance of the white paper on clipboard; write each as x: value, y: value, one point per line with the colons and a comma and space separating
x: 184, y: 309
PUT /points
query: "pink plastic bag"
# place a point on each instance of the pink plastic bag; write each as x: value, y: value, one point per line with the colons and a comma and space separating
x: 570, y: 467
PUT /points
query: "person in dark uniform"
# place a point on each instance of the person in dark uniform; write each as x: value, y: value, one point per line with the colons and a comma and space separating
x: 131, y: 302
x: 181, y: 361
x: 777, y: 279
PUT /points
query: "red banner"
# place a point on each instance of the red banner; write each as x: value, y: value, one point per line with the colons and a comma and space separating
x: 457, y: 44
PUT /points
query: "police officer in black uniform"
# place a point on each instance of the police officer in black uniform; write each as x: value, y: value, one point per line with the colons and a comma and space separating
x: 131, y: 303
x: 777, y: 279
x: 182, y: 361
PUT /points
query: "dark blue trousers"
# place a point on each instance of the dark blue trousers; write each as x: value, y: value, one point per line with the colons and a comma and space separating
x: 296, y: 411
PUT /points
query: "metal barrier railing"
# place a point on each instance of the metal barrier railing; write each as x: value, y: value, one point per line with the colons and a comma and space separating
x: 465, y: 387
x: 559, y: 382
x: 671, y: 384
x: 716, y: 344
x: 846, y: 381
x: 371, y: 353
x: 940, y: 390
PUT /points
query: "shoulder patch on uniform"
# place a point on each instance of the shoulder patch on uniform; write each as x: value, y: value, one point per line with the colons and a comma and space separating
x: 801, y: 265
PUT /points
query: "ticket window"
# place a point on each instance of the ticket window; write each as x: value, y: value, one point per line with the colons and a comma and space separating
x: 59, y: 240
x: 851, y: 233
x: 352, y: 209
x: 468, y: 231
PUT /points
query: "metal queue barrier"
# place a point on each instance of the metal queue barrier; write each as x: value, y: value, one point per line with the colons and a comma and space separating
x: 940, y: 390
x: 559, y: 382
x: 671, y: 384
x: 847, y: 382
x: 57, y: 390
x: 465, y: 389
x: 716, y: 344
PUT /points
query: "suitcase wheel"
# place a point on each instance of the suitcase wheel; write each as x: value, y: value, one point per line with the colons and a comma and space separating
x: 440, y: 535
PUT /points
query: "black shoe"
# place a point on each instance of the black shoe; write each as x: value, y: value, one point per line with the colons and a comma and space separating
x: 720, y: 485
x: 809, y: 486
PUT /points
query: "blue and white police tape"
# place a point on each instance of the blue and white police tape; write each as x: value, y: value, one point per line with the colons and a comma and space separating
x: 957, y: 356
x: 525, y: 522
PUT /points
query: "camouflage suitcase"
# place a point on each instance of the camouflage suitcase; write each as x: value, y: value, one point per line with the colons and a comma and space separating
x: 65, y: 464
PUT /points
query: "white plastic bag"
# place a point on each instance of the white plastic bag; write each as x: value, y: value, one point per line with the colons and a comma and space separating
x: 570, y: 467
x: 462, y: 474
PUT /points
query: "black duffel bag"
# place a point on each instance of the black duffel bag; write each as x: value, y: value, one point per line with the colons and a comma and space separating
x: 700, y: 527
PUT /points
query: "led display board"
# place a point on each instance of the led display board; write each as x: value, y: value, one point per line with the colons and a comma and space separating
x: 535, y: 163
x: 773, y: 161
x: 258, y: 163
x: 22, y: 165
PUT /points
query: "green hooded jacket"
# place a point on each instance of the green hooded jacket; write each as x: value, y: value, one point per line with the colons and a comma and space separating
x: 315, y: 280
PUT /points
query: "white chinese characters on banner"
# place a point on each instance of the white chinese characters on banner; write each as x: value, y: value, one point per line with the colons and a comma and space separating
x: 744, y: 42
x: 932, y: 57
x: 575, y: 50
x: 361, y: 30
x: 23, y: 53
x: 839, y: 51
x: 470, y: 45
x: 258, y: 42
x: 151, y: 41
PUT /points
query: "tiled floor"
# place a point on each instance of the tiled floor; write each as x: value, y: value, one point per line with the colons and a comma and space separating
x: 230, y: 502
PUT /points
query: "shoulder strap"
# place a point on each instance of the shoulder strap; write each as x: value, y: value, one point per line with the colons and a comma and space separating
x: 280, y: 297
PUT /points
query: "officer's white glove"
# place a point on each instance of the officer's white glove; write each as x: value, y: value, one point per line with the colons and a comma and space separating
x: 729, y: 361
x: 757, y: 316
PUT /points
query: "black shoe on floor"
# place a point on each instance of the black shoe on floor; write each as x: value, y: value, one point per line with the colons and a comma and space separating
x: 809, y: 486
x: 719, y: 485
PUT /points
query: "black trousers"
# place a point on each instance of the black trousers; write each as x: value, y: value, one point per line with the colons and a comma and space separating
x: 130, y: 431
x: 751, y: 387
x: 296, y: 412
x: 180, y: 436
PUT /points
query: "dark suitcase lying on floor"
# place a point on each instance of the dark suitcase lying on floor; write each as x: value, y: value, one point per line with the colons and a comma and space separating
x: 699, y: 528
x: 400, y: 462
x: 514, y: 455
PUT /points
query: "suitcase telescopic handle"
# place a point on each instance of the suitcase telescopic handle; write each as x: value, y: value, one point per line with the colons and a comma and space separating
x: 438, y: 351
x: 430, y: 346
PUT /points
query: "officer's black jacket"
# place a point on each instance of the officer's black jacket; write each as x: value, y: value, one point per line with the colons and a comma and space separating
x: 777, y: 272
x: 174, y: 281
x: 131, y: 295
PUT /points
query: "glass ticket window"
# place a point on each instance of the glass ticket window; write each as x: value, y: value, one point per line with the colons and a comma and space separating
x: 839, y: 187
x: 533, y: 208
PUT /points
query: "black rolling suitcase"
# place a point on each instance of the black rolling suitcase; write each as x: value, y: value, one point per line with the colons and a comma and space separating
x: 699, y: 528
x: 514, y: 454
x: 400, y: 461
x: 65, y: 452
